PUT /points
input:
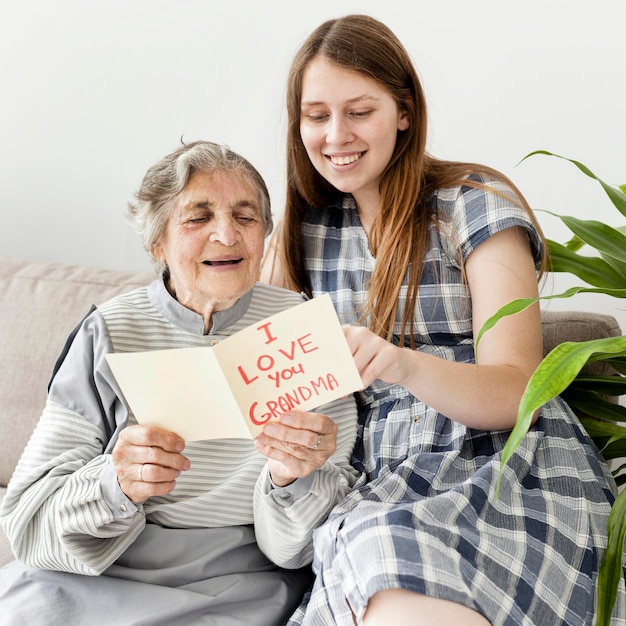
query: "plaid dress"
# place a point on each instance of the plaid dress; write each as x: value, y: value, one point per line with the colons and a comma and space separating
x: 425, y: 516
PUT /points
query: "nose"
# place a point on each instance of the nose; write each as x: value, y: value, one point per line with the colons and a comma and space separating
x: 225, y: 231
x: 338, y: 130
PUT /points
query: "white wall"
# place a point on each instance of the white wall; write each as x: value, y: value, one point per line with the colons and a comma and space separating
x: 94, y: 92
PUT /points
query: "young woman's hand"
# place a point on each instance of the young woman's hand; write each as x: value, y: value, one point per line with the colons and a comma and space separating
x: 377, y: 358
x: 297, y: 444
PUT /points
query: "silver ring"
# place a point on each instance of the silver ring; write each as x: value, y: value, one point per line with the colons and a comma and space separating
x: 141, y: 473
x: 319, y: 442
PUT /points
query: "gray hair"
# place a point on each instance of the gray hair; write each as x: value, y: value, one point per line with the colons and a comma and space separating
x: 167, y: 179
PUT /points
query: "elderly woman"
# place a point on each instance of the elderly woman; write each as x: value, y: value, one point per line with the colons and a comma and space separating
x: 119, y: 523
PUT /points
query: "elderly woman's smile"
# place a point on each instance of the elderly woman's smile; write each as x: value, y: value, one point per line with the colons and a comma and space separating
x: 213, y: 242
x: 217, y: 263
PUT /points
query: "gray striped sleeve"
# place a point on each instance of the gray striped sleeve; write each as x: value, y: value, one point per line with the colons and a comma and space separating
x: 284, y: 533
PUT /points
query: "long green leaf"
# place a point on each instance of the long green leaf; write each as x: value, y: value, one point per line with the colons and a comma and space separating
x: 613, y: 446
x: 615, y: 194
x: 574, y: 244
x: 612, y: 569
x: 598, y: 235
x: 599, y: 428
x: 618, y: 365
x: 618, y: 265
x: 611, y: 449
x: 595, y: 406
x: 592, y: 270
x: 521, y: 304
x: 557, y: 370
x: 602, y: 385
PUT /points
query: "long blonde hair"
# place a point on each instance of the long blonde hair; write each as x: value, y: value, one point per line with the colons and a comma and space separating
x: 398, y: 237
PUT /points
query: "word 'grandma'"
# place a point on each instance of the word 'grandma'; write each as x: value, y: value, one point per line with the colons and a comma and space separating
x: 279, y: 367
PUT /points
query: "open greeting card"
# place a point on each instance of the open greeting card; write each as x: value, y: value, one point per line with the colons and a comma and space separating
x: 297, y: 359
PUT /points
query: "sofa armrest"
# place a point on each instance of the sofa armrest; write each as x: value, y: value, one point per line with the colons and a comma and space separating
x: 561, y: 326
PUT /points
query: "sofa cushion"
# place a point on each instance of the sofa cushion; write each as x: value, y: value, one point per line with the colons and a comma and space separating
x: 40, y: 304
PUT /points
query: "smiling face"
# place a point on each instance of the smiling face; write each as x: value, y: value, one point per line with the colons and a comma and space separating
x: 348, y: 125
x: 213, y: 242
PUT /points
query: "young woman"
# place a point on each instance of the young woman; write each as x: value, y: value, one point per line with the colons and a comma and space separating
x: 417, y: 253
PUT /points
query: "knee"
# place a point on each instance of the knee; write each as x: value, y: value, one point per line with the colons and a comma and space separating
x: 403, y: 608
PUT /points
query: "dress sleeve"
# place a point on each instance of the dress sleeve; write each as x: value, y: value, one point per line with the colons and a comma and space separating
x: 476, y: 213
x: 63, y: 509
x: 284, y: 521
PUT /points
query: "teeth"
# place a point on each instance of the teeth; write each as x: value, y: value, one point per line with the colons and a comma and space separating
x: 344, y: 160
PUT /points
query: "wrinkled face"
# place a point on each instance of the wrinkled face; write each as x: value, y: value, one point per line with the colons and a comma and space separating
x: 348, y: 124
x: 213, y: 242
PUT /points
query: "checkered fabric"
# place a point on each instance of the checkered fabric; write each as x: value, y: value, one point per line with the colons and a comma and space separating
x: 427, y: 518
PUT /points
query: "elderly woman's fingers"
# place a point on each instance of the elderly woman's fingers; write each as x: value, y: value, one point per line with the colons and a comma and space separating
x: 313, y: 431
x: 301, y: 445
x: 148, y: 461
x: 145, y: 444
x: 152, y: 436
x: 297, y: 444
x: 150, y: 473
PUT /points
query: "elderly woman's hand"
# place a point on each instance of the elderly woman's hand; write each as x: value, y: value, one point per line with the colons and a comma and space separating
x: 296, y: 444
x: 148, y: 461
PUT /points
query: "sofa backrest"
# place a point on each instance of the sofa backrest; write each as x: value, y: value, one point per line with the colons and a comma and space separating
x: 40, y: 304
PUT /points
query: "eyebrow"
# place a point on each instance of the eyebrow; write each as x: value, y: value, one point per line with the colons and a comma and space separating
x: 350, y: 101
x: 238, y: 204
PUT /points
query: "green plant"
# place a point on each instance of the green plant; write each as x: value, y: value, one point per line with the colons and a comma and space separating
x: 603, y: 271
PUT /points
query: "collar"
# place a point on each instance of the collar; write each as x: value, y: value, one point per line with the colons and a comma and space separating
x: 189, y: 320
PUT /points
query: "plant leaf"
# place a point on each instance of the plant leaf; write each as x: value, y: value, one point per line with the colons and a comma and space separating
x: 615, y: 194
x: 521, y: 304
x: 601, y: 385
x: 611, y: 568
x: 592, y: 270
x: 557, y: 370
x: 594, y: 405
x: 601, y: 428
x: 618, y: 265
x: 611, y: 447
x: 618, y: 365
x: 598, y: 235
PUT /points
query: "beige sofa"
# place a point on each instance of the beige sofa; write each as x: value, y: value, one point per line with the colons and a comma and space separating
x: 40, y: 303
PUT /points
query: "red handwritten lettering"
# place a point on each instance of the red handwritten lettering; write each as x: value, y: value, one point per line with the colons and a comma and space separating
x: 265, y: 362
x: 304, y: 345
x: 290, y: 355
x: 243, y: 375
x: 273, y: 408
x: 266, y: 328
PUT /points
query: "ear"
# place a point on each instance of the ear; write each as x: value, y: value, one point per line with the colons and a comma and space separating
x: 158, y: 253
x: 403, y: 120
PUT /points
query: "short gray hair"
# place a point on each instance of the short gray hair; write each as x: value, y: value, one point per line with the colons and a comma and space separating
x: 167, y: 179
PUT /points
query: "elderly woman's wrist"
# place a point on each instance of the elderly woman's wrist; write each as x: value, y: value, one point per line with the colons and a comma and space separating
x: 281, y: 481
